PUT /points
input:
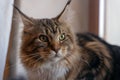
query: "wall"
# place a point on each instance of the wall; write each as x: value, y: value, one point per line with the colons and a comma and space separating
x: 113, y: 21
x: 5, y: 27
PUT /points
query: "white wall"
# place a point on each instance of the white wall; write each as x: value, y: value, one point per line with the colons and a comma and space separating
x: 78, y: 15
x: 5, y: 27
x: 113, y: 21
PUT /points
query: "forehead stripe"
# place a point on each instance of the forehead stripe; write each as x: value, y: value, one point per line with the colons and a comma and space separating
x: 50, y: 25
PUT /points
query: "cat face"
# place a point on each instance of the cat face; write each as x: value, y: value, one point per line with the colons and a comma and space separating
x: 47, y: 40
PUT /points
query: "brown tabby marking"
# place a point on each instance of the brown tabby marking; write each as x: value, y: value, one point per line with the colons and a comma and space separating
x: 98, y: 50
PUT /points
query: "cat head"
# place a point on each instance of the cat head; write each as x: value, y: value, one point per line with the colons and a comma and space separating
x: 45, y: 40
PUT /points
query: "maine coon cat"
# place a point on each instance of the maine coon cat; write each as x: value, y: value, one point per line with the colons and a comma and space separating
x: 51, y: 51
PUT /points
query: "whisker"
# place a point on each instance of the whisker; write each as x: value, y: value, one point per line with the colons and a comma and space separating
x: 27, y: 59
x: 30, y: 55
x: 36, y: 61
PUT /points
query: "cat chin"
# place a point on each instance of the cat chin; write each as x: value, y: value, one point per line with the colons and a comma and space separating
x: 54, y: 60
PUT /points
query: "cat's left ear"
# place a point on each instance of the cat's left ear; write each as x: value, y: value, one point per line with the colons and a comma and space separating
x: 60, y: 15
x: 26, y: 20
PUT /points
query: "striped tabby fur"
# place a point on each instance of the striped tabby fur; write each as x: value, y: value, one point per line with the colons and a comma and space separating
x: 50, y: 51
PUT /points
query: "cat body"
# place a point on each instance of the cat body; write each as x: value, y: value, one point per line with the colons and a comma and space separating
x: 51, y: 51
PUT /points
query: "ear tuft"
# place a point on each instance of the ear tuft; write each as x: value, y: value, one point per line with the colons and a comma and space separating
x: 26, y: 20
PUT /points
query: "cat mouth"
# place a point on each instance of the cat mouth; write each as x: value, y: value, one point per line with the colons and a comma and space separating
x: 56, y: 58
x: 53, y: 54
x: 57, y: 55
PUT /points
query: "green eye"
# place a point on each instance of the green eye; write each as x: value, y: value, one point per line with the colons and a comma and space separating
x: 62, y: 37
x: 43, y: 38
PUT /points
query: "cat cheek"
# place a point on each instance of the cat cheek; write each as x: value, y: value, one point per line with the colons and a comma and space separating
x: 52, y: 54
x: 64, y: 51
x: 43, y: 49
x: 71, y: 47
x: 44, y: 56
x: 43, y: 52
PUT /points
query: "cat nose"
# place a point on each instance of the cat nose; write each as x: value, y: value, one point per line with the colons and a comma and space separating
x: 56, y: 49
x: 55, y: 46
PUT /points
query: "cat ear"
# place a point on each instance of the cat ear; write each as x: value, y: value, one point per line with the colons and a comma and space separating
x: 59, y: 16
x: 26, y: 20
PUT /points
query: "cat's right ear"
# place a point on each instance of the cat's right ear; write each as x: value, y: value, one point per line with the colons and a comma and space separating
x: 25, y: 19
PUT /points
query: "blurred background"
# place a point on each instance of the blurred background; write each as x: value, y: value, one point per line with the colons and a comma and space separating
x: 100, y: 17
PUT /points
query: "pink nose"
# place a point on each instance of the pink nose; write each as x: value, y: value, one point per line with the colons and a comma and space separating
x: 56, y: 49
x: 55, y: 46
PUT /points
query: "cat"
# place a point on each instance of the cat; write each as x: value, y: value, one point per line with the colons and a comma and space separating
x: 51, y: 51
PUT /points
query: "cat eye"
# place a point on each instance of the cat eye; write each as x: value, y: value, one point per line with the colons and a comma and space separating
x: 43, y: 38
x: 62, y: 37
